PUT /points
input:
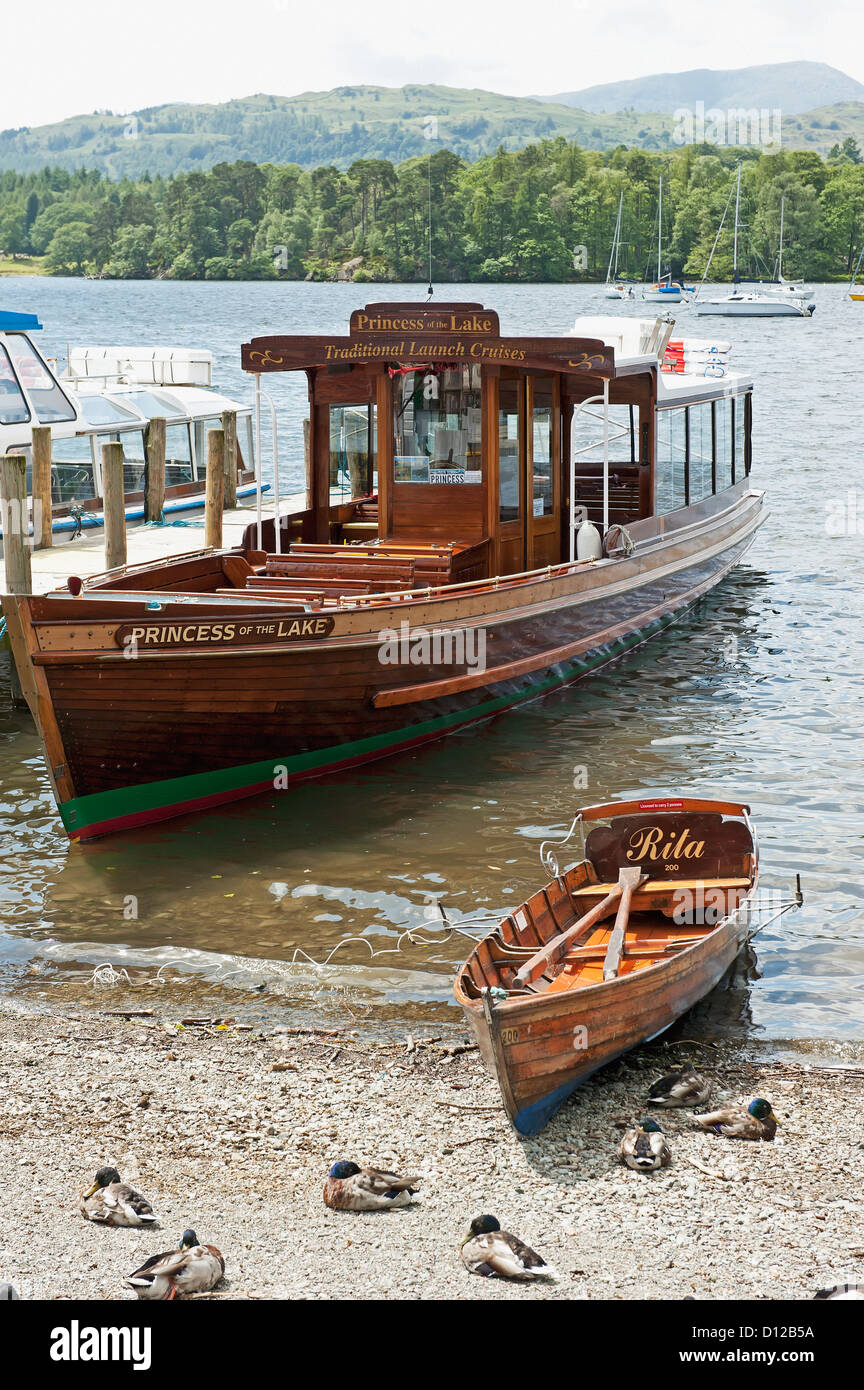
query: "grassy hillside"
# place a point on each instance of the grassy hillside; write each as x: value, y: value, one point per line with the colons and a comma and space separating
x: 337, y: 128
x: 316, y: 128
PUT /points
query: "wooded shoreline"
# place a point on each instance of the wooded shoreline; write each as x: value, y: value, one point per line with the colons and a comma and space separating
x: 542, y: 214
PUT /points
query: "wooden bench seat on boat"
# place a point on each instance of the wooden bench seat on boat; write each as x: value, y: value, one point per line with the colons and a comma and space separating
x: 663, y: 885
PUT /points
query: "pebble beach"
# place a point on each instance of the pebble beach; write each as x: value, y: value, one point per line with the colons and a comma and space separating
x: 233, y: 1131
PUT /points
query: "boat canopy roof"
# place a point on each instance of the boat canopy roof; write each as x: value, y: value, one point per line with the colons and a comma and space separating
x: 691, y: 367
x: 18, y: 323
x: 131, y: 407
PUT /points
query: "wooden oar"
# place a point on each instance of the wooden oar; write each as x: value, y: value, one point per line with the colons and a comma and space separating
x: 628, y: 881
x: 557, y: 947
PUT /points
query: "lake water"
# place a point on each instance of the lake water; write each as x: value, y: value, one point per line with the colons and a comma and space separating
x: 758, y: 696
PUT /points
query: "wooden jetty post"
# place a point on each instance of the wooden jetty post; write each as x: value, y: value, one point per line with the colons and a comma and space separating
x: 43, y: 535
x: 16, y: 523
x: 215, y: 493
x: 154, y: 470
x: 229, y: 429
x: 114, y: 505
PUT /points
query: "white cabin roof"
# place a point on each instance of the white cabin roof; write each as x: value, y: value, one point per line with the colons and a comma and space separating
x: 689, y: 366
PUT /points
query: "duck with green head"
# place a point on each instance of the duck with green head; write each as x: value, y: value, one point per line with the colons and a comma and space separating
x: 114, y: 1203
x: 193, y: 1268
x: 493, y: 1253
x: 352, y: 1188
x: 758, y: 1121
x: 645, y: 1149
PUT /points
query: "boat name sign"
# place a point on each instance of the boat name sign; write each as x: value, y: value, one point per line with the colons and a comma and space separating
x: 256, y: 630
x: 654, y: 842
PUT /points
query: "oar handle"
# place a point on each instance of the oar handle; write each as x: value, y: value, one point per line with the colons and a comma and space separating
x: 628, y: 881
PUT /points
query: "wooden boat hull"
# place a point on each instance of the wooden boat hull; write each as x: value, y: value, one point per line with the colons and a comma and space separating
x: 534, y: 1047
x: 188, y: 725
x: 590, y: 967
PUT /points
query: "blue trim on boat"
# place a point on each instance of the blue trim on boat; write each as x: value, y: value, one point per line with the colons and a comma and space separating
x: 136, y: 513
x: 535, y: 1117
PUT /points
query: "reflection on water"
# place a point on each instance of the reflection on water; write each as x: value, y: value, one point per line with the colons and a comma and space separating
x: 757, y: 695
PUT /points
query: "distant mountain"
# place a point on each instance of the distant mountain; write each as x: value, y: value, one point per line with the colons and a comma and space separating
x: 794, y: 87
x: 396, y: 123
x: 314, y: 129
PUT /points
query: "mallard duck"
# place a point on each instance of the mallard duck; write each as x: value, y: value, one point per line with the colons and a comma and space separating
x: 8, y: 1293
x: 115, y: 1203
x: 645, y: 1149
x: 494, y: 1253
x: 193, y: 1268
x: 842, y: 1291
x: 351, y: 1188
x: 758, y: 1121
x: 680, y: 1088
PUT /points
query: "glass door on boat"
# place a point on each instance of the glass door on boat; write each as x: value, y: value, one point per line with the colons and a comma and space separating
x: 529, y: 472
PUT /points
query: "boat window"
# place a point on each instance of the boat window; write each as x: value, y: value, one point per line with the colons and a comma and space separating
x: 352, y: 451
x: 133, y: 458
x: 741, y: 436
x: 51, y: 402
x: 201, y: 428
x: 509, y: 396
x: 72, y: 478
x: 670, y: 463
x: 13, y: 407
x: 150, y: 404
x: 701, y: 451
x: 586, y: 434
x: 436, y: 425
x: 543, y: 467
x: 725, y: 443
x: 178, y: 456
x: 100, y: 410
x: 245, y: 452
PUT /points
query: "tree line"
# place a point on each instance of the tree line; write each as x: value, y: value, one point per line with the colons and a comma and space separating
x: 543, y: 213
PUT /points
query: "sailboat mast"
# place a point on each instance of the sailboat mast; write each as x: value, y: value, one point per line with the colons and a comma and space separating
x: 780, y: 247
x: 659, y: 227
x: 735, y: 243
x: 614, y: 252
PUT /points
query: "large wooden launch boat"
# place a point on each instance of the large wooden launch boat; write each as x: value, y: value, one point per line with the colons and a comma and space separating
x: 611, y: 952
x: 487, y: 518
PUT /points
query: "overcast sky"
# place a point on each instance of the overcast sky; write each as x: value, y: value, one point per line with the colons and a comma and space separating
x: 62, y: 58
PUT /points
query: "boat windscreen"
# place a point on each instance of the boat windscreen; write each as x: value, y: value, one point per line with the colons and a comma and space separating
x: 13, y: 407
x: 51, y: 402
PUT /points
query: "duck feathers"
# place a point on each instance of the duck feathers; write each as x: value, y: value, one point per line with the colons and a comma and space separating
x: 504, y: 1256
x: 196, y: 1269
x: 118, y: 1204
x: 686, y: 1087
x: 368, y: 1189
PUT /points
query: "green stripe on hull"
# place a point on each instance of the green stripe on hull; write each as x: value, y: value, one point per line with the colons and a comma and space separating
x: 99, y: 807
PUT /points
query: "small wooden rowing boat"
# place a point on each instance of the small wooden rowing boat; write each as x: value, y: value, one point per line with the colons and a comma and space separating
x: 613, y: 950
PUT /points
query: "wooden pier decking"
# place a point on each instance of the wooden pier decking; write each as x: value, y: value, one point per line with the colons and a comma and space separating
x: 145, y: 542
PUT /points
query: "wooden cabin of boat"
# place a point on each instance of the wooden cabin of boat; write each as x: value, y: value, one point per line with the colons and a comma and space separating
x: 539, y: 505
x: 427, y: 428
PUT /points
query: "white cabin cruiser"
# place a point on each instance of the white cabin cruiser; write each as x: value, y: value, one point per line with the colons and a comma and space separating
x: 110, y: 395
